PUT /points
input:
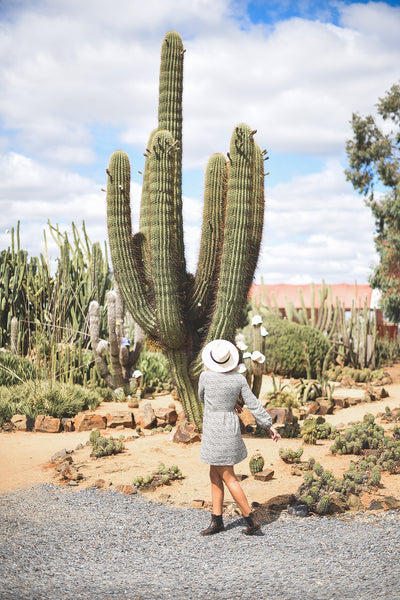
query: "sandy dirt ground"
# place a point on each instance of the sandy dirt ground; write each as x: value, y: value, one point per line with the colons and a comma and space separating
x: 25, y: 457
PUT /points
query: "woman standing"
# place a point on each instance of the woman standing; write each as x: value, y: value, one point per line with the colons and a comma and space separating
x: 222, y: 445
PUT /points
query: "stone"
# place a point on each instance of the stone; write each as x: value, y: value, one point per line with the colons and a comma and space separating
x: 46, y: 424
x: 186, y: 433
x: 326, y: 406
x: 337, y: 503
x: 127, y: 490
x: 341, y: 402
x: 120, y: 419
x: 353, y: 401
x: 299, y: 510
x: 264, y: 475
x: 166, y: 416
x: 61, y: 455
x: 312, y: 407
x: 374, y: 505
x: 67, y: 424
x: 354, y: 503
x: 89, y: 421
x: 69, y: 472
x: 279, y: 503
x: 144, y: 416
x: 197, y: 503
x: 280, y: 415
x: 391, y: 503
x: 246, y: 418
x: 22, y: 422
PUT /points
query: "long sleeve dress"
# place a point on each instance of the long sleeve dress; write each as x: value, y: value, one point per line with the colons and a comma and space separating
x: 222, y: 442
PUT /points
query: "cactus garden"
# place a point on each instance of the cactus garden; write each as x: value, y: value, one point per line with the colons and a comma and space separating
x: 110, y: 352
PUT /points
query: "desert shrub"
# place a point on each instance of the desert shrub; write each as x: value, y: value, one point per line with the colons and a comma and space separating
x: 288, y: 346
x: 156, y: 374
x: 387, y: 351
x: 14, y: 368
x: 46, y: 398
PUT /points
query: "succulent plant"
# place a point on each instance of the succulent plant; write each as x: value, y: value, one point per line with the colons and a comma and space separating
x: 181, y: 313
x: 256, y: 463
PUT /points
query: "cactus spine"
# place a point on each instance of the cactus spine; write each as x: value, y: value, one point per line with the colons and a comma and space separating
x: 181, y: 313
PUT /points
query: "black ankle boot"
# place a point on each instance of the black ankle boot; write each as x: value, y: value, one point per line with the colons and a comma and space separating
x: 215, y: 526
x: 252, y: 525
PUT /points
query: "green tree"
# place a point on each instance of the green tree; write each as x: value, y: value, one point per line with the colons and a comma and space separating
x: 374, y: 171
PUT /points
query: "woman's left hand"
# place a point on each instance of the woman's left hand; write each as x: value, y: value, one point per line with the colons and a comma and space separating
x: 274, y: 434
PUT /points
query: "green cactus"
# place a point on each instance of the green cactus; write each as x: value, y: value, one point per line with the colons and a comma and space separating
x: 256, y: 463
x: 323, y: 505
x: 181, y: 313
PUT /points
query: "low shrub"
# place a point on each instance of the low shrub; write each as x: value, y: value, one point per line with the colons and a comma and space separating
x: 292, y: 349
x: 57, y: 400
x: 15, y: 369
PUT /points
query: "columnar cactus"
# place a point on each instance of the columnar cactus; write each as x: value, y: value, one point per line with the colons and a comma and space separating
x: 181, y: 313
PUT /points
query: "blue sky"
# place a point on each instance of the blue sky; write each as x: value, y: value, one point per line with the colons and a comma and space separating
x: 79, y: 80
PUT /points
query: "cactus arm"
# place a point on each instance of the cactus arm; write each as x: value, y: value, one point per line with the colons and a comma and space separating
x: 233, y: 276
x: 312, y: 305
x: 122, y: 245
x: 94, y: 327
x: 163, y: 250
x: 170, y: 119
x: 113, y: 338
x: 211, y: 236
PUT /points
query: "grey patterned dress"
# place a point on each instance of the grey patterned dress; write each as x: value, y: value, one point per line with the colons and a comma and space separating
x: 222, y: 442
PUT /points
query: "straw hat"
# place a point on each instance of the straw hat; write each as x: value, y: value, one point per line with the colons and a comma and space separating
x: 220, y: 356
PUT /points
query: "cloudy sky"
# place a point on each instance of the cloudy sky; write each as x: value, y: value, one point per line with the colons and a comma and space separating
x: 79, y: 79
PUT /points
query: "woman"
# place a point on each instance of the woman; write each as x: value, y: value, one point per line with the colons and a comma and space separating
x: 222, y: 446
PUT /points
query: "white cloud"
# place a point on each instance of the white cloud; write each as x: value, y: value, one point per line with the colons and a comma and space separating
x: 71, y: 69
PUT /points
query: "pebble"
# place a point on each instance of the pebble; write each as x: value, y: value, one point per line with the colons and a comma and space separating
x: 59, y: 544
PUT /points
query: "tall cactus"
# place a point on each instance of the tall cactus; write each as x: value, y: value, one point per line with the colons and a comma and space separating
x: 181, y: 313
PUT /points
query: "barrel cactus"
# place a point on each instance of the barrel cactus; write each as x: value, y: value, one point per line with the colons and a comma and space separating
x: 256, y: 463
x: 179, y: 312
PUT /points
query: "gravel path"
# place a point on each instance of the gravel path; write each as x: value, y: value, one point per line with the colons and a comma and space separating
x: 91, y: 545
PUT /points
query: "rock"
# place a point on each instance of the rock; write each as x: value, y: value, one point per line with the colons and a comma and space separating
x: 22, y: 422
x: 391, y: 503
x: 100, y: 484
x: 326, y: 406
x: 89, y: 421
x: 186, y: 433
x: 71, y: 473
x: 354, y: 503
x: 61, y: 455
x: 166, y: 416
x: 312, y: 407
x: 246, y: 418
x: 120, y: 419
x: 280, y: 415
x: 197, y: 503
x: 353, y: 401
x: 47, y: 424
x: 337, y: 503
x: 299, y: 510
x: 144, y: 416
x: 264, y: 475
x: 67, y: 424
x: 341, y: 402
x: 374, y: 505
x: 279, y: 503
x: 127, y: 490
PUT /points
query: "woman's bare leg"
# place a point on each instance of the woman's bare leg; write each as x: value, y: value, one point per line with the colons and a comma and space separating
x: 227, y: 475
x: 217, y: 490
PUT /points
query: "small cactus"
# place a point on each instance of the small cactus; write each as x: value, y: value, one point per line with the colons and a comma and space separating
x: 256, y: 464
